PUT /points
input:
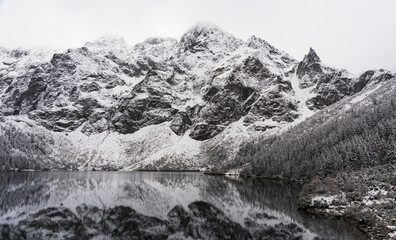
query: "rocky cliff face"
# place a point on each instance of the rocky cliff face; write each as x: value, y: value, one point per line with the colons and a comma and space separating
x: 329, y: 85
x: 162, y: 103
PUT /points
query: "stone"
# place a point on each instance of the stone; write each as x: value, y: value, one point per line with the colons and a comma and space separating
x: 180, y: 123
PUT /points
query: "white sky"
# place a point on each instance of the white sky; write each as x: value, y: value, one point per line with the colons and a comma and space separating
x: 354, y: 34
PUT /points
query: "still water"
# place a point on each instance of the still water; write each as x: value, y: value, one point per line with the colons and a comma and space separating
x: 155, y: 205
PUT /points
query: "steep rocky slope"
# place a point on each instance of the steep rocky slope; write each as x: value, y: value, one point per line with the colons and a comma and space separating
x: 161, y: 104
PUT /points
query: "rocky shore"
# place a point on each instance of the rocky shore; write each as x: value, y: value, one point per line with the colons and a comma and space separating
x: 366, y: 198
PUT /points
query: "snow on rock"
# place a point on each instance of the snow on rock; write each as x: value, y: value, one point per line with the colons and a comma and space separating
x: 376, y: 196
x: 111, y: 44
x: 323, y: 200
x: 206, y: 36
x: 392, y: 234
x: 166, y: 103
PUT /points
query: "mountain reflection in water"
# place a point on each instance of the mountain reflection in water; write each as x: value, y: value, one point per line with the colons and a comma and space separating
x: 155, y: 205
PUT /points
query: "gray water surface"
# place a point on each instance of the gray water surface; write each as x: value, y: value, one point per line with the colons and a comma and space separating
x: 155, y: 205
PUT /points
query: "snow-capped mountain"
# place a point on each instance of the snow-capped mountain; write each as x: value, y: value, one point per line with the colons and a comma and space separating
x: 161, y: 104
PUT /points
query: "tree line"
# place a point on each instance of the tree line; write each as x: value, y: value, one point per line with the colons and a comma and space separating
x: 359, y: 138
x: 23, y: 149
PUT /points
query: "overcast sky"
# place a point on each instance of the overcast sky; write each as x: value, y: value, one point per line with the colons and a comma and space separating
x: 353, y: 34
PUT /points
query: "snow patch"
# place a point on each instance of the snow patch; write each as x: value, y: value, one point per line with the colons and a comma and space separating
x: 323, y: 199
x: 302, y: 95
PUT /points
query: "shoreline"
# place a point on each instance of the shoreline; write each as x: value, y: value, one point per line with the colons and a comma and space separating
x: 380, y: 232
x: 372, y: 232
x: 366, y: 198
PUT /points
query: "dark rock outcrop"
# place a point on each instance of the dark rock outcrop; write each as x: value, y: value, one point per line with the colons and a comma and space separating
x: 63, y: 63
x: 254, y: 67
x: 310, y: 67
x: 329, y: 85
x: 180, y: 123
x: 272, y: 106
x: 204, y: 131
x: 91, y: 87
x: 368, y: 77
x: 330, y: 89
x: 29, y: 99
x: 137, y: 113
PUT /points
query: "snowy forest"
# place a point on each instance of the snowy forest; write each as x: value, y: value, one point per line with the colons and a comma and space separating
x: 23, y: 149
x: 360, y: 138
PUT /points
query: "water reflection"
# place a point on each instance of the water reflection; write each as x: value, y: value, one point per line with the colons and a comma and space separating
x: 155, y: 205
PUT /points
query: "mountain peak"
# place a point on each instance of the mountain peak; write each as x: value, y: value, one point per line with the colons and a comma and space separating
x: 208, y: 36
x: 203, y: 31
x: 311, y: 57
x: 310, y: 66
x: 203, y: 27
x: 158, y: 40
x: 256, y: 43
x: 108, y: 41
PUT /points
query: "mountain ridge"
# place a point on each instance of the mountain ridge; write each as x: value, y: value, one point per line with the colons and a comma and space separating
x: 163, y: 103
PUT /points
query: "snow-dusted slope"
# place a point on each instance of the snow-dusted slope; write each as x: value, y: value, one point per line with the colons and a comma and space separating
x: 163, y: 103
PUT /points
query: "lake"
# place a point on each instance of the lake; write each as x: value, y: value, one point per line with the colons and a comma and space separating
x: 156, y: 205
